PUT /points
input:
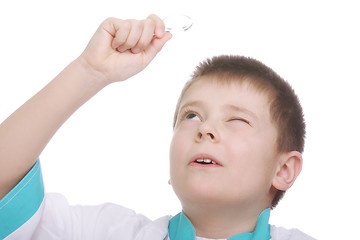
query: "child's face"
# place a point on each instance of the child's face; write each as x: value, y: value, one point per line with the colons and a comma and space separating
x: 229, y: 124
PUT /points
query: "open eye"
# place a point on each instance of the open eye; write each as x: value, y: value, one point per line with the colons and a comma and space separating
x: 191, y: 116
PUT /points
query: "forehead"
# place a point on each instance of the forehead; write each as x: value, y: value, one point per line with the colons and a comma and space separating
x: 212, y: 90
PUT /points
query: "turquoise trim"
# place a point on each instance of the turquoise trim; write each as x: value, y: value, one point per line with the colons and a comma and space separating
x: 262, y: 229
x: 21, y: 203
x: 180, y: 228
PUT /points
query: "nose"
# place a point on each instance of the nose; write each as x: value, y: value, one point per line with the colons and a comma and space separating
x: 207, y: 132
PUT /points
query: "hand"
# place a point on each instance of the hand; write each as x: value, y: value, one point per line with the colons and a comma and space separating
x: 120, y: 49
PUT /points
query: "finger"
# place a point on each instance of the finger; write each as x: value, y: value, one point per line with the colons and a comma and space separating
x: 134, y: 35
x: 156, y: 45
x: 160, y: 25
x: 146, y: 36
x: 122, y: 33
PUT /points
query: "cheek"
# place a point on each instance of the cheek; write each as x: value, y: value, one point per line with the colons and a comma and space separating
x: 181, y: 140
x: 177, y: 150
x: 176, y: 156
x: 240, y: 148
x: 175, y: 145
x: 248, y: 156
x: 172, y: 154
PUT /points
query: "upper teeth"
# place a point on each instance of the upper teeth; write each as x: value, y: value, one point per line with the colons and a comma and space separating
x: 205, y: 160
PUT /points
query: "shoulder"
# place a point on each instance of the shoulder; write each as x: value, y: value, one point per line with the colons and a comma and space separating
x: 280, y: 233
x: 108, y: 219
x: 27, y: 212
x: 56, y: 219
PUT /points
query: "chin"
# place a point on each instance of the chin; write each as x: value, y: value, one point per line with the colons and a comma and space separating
x: 202, y: 196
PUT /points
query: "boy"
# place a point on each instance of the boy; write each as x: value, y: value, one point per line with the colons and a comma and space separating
x: 237, y: 143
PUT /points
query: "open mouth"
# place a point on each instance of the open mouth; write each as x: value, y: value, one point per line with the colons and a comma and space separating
x: 204, y: 160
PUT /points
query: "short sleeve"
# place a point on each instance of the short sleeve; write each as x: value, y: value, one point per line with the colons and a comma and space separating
x: 22, y: 203
x: 27, y: 213
x: 280, y: 233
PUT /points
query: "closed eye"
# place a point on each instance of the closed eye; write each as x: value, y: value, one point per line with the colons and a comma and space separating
x: 241, y: 120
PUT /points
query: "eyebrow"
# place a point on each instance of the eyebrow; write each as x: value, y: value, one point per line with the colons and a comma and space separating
x: 235, y: 108
x: 190, y: 104
x: 228, y: 107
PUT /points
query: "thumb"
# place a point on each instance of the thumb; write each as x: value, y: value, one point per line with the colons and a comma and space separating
x: 156, y: 45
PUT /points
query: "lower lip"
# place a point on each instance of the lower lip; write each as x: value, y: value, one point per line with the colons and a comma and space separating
x: 194, y: 164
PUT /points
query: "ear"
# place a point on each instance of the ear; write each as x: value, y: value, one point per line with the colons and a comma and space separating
x: 169, y: 182
x: 289, y: 168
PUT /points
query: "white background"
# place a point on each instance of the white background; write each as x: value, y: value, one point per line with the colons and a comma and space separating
x: 115, y: 148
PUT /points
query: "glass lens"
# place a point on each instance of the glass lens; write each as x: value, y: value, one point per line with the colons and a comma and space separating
x: 177, y: 23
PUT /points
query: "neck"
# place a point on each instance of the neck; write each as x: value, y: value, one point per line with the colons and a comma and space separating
x: 218, y: 222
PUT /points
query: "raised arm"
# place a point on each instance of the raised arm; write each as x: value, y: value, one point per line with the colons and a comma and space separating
x: 118, y: 50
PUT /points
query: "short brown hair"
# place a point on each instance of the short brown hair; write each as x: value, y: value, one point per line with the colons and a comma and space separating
x: 285, y: 109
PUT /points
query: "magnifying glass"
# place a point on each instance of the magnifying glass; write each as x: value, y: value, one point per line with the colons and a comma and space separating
x: 177, y: 23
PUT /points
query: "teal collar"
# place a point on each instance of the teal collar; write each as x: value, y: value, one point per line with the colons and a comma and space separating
x: 180, y: 228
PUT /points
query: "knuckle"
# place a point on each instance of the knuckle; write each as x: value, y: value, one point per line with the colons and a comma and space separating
x: 136, y: 25
x: 109, y: 19
x: 141, y: 44
x: 154, y: 17
x: 149, y: 23
x: 125, y: 26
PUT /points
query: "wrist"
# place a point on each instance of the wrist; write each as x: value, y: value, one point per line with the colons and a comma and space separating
x: 93, y: 77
